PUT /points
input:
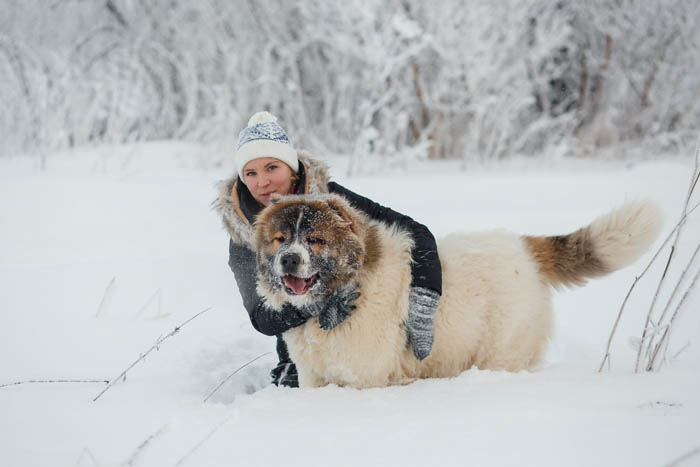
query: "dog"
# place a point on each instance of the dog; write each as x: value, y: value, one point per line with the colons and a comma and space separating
x: 495, y: 311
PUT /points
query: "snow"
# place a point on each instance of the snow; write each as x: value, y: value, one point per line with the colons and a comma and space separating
x: 107, y: 249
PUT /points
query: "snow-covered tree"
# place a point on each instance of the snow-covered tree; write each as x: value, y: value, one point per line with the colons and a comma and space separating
x: 383, y: 80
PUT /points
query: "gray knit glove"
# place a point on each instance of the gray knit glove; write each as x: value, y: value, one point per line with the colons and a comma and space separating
x: 336, y: 308
x: 422, y: 305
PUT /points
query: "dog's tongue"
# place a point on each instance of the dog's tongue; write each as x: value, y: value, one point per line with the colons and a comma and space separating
x: 297, y: 284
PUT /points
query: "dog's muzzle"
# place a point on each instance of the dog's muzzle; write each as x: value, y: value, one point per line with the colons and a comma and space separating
x: 293, y: 267
x: 290, y: 263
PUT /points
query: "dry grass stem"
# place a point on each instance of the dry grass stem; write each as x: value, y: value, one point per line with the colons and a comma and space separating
x: 678, y: 285
x: 688, y: 455
x: 652, y: 348
x: 142, y: 447
x: 55, y: 381
x: 157, y: 294
x: 106, y: 297
x: 201, y: 442
x: 665, y: 337
x: 606, y: 357
x: 691, y: 188
x: 155, y: 346
x: 231, y: 375
x: 87, y: 454
x: 645, y: 348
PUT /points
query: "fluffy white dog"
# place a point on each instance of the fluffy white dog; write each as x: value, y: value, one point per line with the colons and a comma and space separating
x: 495, y: 311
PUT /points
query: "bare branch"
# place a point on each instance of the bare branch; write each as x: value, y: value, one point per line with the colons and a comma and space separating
x: 155, y: 346
x: 116, y: 13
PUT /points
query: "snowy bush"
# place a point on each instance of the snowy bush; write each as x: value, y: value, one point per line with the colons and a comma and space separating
x: 396, y: 78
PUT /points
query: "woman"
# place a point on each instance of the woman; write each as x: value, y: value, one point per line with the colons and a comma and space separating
x: 268, y: 165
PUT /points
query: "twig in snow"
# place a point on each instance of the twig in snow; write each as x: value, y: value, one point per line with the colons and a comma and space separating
x: 640, y: 350
x: 53, y: 381
x: 678, y: 284
x: 203, y: 440
x: 88, y: 454
x: 106, y: 297
x: 651, y: 355
x: 159, y: 294
x: 231, y: 375
x: 683, y: 349
x: 606, y: 357
x: 664, y: 337
x: 684, y: 457
x: 141, y: 447
x: 651, y: 351
x: 155, y: 346
x: 677, y: 230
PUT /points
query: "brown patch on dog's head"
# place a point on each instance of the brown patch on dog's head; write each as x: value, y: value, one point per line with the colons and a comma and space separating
x: 327, y: 234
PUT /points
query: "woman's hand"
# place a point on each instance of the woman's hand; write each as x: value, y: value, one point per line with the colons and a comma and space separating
x: 422, y: 305
x: 336, y: 308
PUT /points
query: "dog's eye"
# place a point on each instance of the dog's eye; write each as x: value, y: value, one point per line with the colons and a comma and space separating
x: 315, y: 241
x: 278, y: 238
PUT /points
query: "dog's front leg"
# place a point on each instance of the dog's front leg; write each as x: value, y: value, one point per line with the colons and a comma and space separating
x: 309, y: 379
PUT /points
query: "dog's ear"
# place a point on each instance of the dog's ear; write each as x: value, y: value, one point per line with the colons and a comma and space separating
x: 355, y: 244
x: 341, y: 207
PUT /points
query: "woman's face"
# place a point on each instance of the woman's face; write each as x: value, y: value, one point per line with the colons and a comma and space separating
x: 267, y: 176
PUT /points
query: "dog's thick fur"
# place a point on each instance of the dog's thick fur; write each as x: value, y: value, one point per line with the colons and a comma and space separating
x: 495, y: 310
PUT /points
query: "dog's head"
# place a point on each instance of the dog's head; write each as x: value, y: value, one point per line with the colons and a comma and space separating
x: 307, y: 246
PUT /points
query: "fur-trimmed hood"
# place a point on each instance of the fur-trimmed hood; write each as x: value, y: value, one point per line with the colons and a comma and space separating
x: 315, y: 179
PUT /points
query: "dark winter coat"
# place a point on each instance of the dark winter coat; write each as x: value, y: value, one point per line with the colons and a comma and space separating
x: 239, y: 209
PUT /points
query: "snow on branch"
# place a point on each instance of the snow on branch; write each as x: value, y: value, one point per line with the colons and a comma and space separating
x: 378, y: 79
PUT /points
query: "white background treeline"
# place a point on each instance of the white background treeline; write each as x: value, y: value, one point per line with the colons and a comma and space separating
x: 398, y: 78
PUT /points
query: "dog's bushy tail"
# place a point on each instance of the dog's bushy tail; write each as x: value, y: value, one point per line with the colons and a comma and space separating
x: 611, y: 242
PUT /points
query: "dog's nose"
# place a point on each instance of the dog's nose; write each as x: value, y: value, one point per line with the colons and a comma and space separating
x: 290, y: 261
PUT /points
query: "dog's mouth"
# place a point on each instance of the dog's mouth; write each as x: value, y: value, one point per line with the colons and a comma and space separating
x: 298, y: 285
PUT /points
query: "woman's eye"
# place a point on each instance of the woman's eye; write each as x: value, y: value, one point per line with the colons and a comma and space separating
x: 271, y: 168
x: 249, y: 174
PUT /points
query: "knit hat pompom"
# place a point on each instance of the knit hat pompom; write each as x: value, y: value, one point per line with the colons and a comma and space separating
x: 262, y: 117
x: 264, y: 137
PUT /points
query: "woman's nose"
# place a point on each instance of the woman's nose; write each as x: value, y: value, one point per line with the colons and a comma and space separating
x: 263, y: 181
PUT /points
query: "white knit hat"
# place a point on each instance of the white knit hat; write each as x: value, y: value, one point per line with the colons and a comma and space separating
x: 263, y: 137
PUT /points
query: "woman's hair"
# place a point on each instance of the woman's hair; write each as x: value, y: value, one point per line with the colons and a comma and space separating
x: 294, y: 178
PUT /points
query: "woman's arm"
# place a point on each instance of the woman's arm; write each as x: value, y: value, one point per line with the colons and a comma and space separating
x: 264, y: 319
x: 426, y: 269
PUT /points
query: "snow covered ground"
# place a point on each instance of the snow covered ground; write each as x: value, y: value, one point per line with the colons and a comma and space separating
x: 107, y: 249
